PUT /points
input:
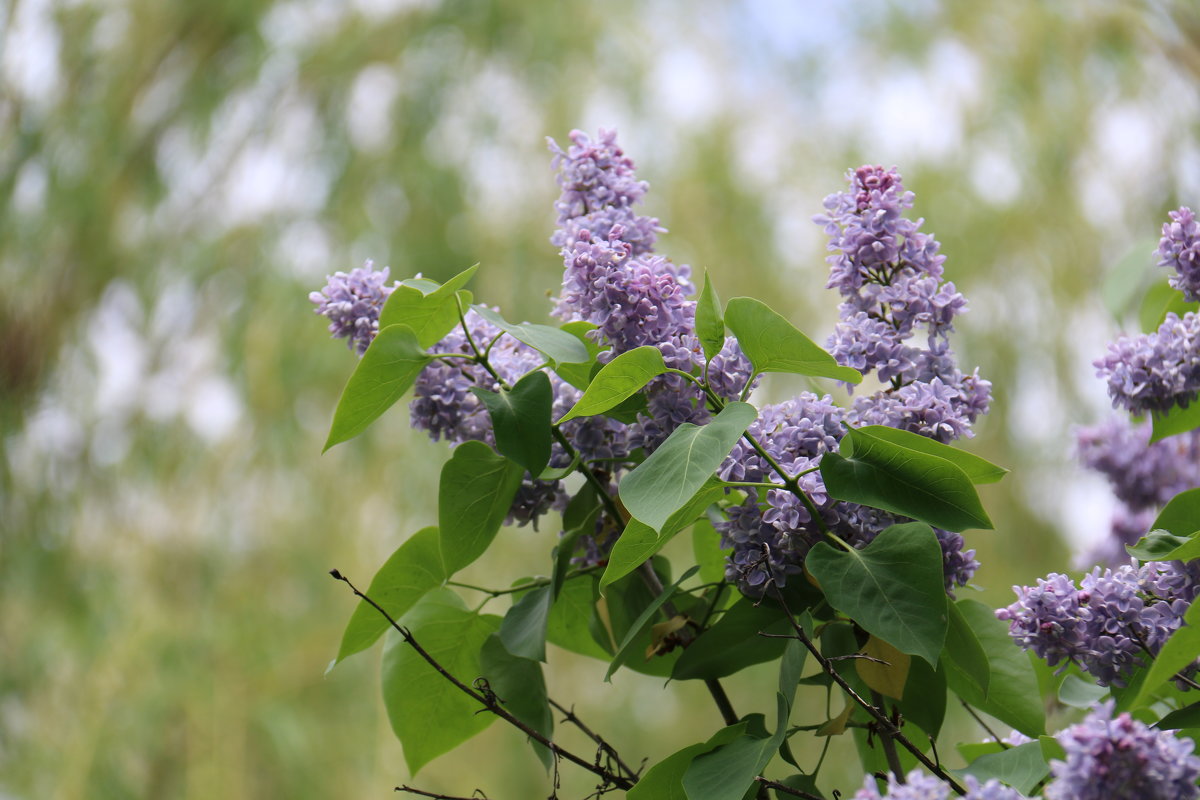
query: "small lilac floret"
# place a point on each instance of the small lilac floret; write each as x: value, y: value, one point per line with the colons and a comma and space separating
x: 1120, y: 758
x: 1179, y: 249
x: 352, y: 302
x: 920, y: 786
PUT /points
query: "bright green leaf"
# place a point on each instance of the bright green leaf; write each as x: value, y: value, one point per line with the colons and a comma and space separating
x: 979, y: 470
x: 521, y: 420
x: 385, y: 372
x: 774, y: 345
x: 673, y: 473
x: 892, y: 588
x: 523, y: 631
x: 1180, y: 650
x: 1013, y: 695
x: 1163, y: 546
x: 571, y: 618
x: 639, y: 541
x: 476, y: 490
x: 1160, y: 300
x: 642, y: 622
x: 880, y: 474
x: 580, y: 375
x: 1078, y: 693
x: 706, y: 547
x: 412, y: 571
x: 965, y: 652
x: 620, y: 378
x: 559, y: 346
x: 733, y: 643
x: 414, y: 694
x: 1180, y: 516
x: 729, y: 771
x: 1022, y: 767
x: 710, y: 324
x: 1177, y: 420
x: 519, y: 683
x: 1126, y: 279
x: 664, y: 781
x: 432, y: 314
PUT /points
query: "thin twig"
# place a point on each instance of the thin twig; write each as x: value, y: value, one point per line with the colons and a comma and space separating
x: 784, y: 789
x: 887, y: 741
x: 476, y: 795
x: 982, y: 724
x: 569, y: 716
x: 488, y: 700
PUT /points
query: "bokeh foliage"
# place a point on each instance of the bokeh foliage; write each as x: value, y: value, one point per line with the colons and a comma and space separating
x: 177, y: 176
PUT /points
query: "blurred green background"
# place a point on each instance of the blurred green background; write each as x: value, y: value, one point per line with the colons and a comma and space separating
x: 177, y: 176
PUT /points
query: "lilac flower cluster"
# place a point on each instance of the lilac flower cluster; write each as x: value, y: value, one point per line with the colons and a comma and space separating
x: 1143, y: 476
x: 890, y: 275
x: 1107, y: 625
x: 1155, y: 371
x: 352, y: 303
x: 919, y: 786
x: 1179, y: 249
x: 1120, y: 758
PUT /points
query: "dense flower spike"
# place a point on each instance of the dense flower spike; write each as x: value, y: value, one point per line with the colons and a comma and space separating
x: 1120, y: 758
x: 1110, y: 623
x: 1142, y: 475
x: 919, y: 786
x: 352, y: 303
x: 889, y: 274
x: 1179, y: 249
x: 1154, y: 371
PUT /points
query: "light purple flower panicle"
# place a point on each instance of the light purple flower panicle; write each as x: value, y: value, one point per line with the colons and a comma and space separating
x: 1120, y: 758
x: 919, y: 786
x: 352, y: 303
x: 1179, y: 249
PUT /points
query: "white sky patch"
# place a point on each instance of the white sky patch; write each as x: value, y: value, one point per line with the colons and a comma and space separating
x: 29, y: 62
x: 687, y: 86
x: 994, y: 177
x: 369, y: 110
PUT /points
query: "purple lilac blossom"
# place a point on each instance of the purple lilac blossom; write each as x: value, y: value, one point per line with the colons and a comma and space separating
x: 1179, y: 249
x: 1154, y: 371
x: 1120, y: 758
x: 889, y: 274
x: 1142, y: 475
x: 352, y: 302
x: 919, y: 786
x: 1107, y: 625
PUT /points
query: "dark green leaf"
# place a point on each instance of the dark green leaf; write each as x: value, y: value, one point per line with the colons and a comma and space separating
x: 706, y: 546
x: 413, y: 691
x: 523, y: 631
x: 519, y: 683
x: 729, y: 771
x: 1013, y: 695
x: 565, y: 549
x: 664, y: 781
x: 412, y: 571
x: 924, y: 700
x: 642, y: 622
x: 559, y: 346
x: 733, y: 643
x: 884, y: 475
x: 430, y: 314
x: 385, y: 372
x: 1180, y: 516
x: 639, y: 541
x: 773, y: 345
x: 965, y: 652
x: 476, y: 490
x: 805, y: 783
x: 1022, y: 767
x: 710, y: 324
x: 979, y: 470
x: 521, y: 420
x: 580, y: 375
x: 1177, y: 420
x: 1163, y: 546
x: 1186, y: 717
x: 893, y: 587
x: 673, y: 473
x: 1180, y: 650
x: 572, y: 616
x: 620, y: 378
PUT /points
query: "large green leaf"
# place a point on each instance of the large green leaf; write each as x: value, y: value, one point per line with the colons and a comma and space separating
x: 385, y: 372
x: 580, y: 375
x: 476, y: 490
x: 1175, y: 421
x: 979, y: 470
x: 706, y: 547
x: 1163, y: 546
x: 559, y: 346
x: 430, y: 312
x: 924, y: 700
x: 881, y: 474
x: 1160, y: 300
x: 664, y: 781
x: 415, y: 695
x: 639, y: 541
x: 728, y: 772
x: 671, y: 476
x: 710, y: 324
x: 620, y: 378
x: 1180, y: 516
x: 1186, y: 717
x: 892, y: 588
x: 629, y: 642
x: 965, y: 652
x: 572, y: 617
x: 733, y: 643
x: 520, y: 685
x: 1022, y: 767
x: 1180, y: 650
x: 523, y: 631
x: 774, y: 345
x: 521, y: 420
x: 408, y: 574
x: 1013, y: 696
